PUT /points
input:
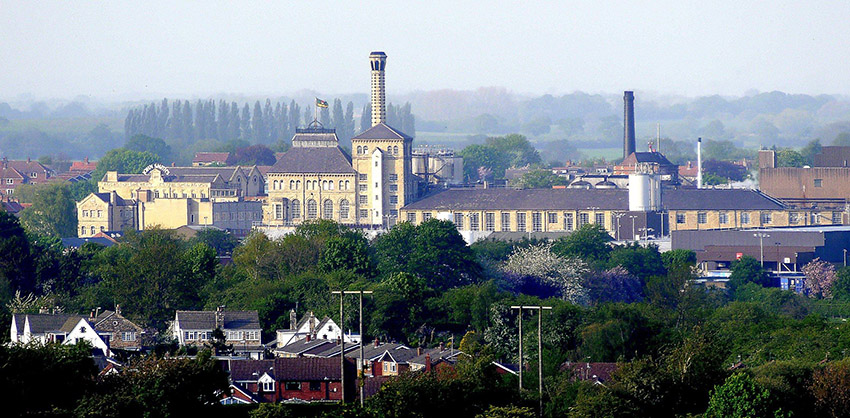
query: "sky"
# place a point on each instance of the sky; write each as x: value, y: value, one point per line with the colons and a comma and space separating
x: 149, y: 49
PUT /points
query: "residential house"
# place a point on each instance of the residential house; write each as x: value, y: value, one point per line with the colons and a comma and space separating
x: 13, y: 173
x: 47, y: 328
x: 240, y: 328
x: 123, y: 333
x: 310, y: 327
x: 282, y: 379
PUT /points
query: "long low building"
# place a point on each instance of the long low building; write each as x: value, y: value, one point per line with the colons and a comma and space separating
x: 564, y: 210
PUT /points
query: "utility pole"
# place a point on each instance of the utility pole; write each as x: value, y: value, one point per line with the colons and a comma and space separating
x: 539, y: 310
x: 761, y: 236
x: 519, y: 362
x: 360, y: 372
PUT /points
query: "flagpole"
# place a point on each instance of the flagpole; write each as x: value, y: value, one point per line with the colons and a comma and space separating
x: 317, y: 110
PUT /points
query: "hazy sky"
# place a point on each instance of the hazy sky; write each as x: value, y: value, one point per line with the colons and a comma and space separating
x: 112, y: 49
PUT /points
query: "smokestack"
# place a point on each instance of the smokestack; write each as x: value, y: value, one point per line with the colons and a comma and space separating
x: 378, y: 61
x: 628, y: 123
x: 699, y: 163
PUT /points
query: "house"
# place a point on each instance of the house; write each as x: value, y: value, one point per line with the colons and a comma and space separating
x: 82, y: 167
x: 13, y: 173
x: 204, y: 159
x: 310, y: 327
x: 47, y: 328
x: 123, y: 333
x: 240, y: 328
x: 102, y: 212
x: 284, y: 379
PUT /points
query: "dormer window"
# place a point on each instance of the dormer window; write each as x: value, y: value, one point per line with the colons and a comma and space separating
x: 268, y: 386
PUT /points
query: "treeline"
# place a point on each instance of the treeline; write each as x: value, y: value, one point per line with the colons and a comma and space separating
x: 182, y: 123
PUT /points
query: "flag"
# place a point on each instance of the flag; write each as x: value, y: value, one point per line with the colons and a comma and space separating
x: 321, y: 103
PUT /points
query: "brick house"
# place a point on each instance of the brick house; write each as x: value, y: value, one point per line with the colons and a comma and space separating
x: 281, y: 379
x: 123, y: 333
x: 13, y: 173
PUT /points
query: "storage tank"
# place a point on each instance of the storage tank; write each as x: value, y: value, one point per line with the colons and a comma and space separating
x: 644, y: 192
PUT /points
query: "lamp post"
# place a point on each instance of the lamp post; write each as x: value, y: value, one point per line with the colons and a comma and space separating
x: 360, y: 373
x: 633, y: 225
x: 761, y: 236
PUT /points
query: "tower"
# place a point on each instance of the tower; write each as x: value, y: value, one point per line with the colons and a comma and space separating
x: 628, y: 123
x: 378, y: 60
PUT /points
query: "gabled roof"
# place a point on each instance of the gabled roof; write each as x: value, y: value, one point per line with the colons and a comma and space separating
x: 382, y: 131
x: 250, y: 370
x: 118, y: 199
x: 211, y: 157
x: 313, y: 160
x: 301, y: 346
x: 227, y: 173
x: 9, y: 172
x: 646, y: 157
x: 306, y: 368
x: 201, y: 320
x: 42, y: 323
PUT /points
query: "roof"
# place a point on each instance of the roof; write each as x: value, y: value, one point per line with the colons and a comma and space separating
x: 584, y: 199
x: 526, y: 199
x: 646, y: 157
x: 313, y: 160
x: 211, y: 157
x: 84, y: 165
x: 225, y: 172
x: 281, y: 369
x: 41, y: 323
x: 382, y: 131
x: 78, y: 242
x: 315, y: 135
x: 106, y: 196
x: 168, y: 179
x: 206, y: 319
x: 303, y: 345
x: 11, y: 207
x: 26, y: 166
x: 250, y: 370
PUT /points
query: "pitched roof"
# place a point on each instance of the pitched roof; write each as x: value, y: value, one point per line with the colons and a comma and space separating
x: 78, y: 242
x: 302, y: 346
x: 313, y: 160
x: 226, y: 173
x: 201, y: 320
x: 584, y: 199
x: 527, y: 199
x: 185, y: 178
x: 211, y: 157
x: 250, y: 370
x: 306, y: 368
x: 120, y: 201
x: 382, y: 131
x: 41, y: 323
x: 646, y: 157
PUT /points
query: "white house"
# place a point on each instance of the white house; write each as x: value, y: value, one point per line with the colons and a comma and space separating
x: 309, y: 326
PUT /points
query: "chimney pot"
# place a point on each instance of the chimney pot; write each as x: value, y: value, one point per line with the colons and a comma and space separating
x: 418, y: 351
x: 377, y: 342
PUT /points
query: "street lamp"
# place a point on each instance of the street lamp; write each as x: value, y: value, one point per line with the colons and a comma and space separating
x: 539, y: 310
x: 761, y: 236
x: 633, y: 225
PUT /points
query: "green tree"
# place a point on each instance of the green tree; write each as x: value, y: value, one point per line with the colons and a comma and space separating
x: 53, y: 212
x: 747, y: 270
x: 841, y: 287
x: 477, y: 156
x: 589, y: 243
x: 16, y: 265
x: 156, y: 146
x: 810, y: 150
x: 517, y: 146
x: 679, y: 257
x: 740, y: 396
x: 539, y: 179
x: 124, y: 161
x: 638, y: 260
x: 349, y: 251
x: 222, y: 242
x: 787, y: 157
x: 842, y: 139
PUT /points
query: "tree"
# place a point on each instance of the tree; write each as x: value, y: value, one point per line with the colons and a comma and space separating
x: 613, y: 285
x: 787, y: 157
x: 252, y: 155
x: 222, y: 242
x: 638, y: 260
x: 348, y: 251
x: 124, y: 161
x: 841, y: 286
x: 820, y: 276
x: 366, y: 117
x: 16, y: 264
x: 831, y: 389
x: 747, y: 270
x: 476, y: 156
x: 740, y: 396
x: 540, y: 179
x: 678, y: 257
x: 53, y: 212
x: 810, y: 150
x: 517, y: 146
x: 589, y: 243
x: 156, y: 146
x: 563, y: 273
x: 842, y: 139
x: 725, y: 169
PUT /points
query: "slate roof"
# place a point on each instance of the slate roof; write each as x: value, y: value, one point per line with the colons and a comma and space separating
x: 323, y: 135
x: 41, y: 323
x: 78, y: 242
x: 306, y: 368
x: 313, y: 160
x: 646, y: 157
x: 250, y: 370
x: 302, y: 346
x: 382, y: 131
x: 201, y: 320
x: 105, y: 197
x: 224, y: 172
x: 584, y: 199
x: 211, y: 157
x: 436, y: 355
x: 167, y: 179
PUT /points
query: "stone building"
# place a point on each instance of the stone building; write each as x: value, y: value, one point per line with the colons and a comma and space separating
x: 825, y: 185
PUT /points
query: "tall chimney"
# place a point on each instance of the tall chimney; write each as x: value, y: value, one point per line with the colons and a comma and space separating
x: 628, y: 123
x: 378, y: 61
x: 699, y: 163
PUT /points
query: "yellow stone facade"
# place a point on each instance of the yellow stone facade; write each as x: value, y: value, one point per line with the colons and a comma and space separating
x: 517, y: 220
x: 293, y: 198
x: 104, y: 212
x: 386, y: 181
x: 689, y: 220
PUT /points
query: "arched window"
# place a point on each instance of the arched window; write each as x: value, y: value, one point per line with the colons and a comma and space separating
x: 297, y: 184
x: 347, y: 185
x: 291, y: 184
x: 359, y: 150
x: 395, y: 150
x: 341, y: 184
x: 311, y: 209
x: 92, y: 229
x: 82, y: 230
x: 296, y: 209
x: 343, y: 209
x: 328, y: 209
x: 274, y: 185
x: 331, y: 184
x: 365, y: 149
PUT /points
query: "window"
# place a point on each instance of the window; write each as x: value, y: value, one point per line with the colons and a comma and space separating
x: 702, y: 218
x: 362, y: 177
x: 553, y: 217
x: 836, y: 218
x: 328, y: 209
x: 520, y: 222
x: 343, y: 208
x: 680, y: 218
x: 102, y: 228
x: 292, y: 386
x: 818, y: 182
x: 583, y: 219
x: 766, y: 217
x: 315, y: 386
x: 393, y: 199
x: 364, y: 213
x: 363, y: 187
x: 599, y: 219
x: 723, y: 217
x: 745, y: 218
x: 268, y: 386
x: 474, y: 221
x: 278, y: 211
x: 568, y: 221
x: 190, y: 335
x: 411, y: 217
x: 85, y: 214
x: 92, y: 229
x: 490, y: 221
x: 34, y: 175
x: 376, y: 163
x: 359, y: 150
x: 536, y: 222
x: 296, y: 209
x: 793, y: 218
x: 459, y: 220
x: 426, y: 216
x: 363, y: 199
x: 814, y: 218
x: 506, y: 221
x: 10, y: 181
x: 312, y: 209
x: 395, y: 150
x: 82, y: 230
x: 128, y: 336
x: 393, y: 177
x: 393, y: 188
